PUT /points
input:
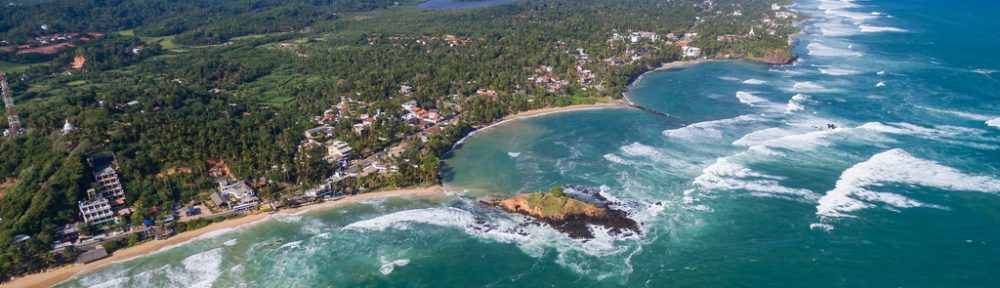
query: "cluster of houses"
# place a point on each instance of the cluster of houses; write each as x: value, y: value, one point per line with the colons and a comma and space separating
x: 452, y: 40
x: 50, y: 44
x: 398, y: 41
x: 544, y: 77
x: 338, y: 152
x: 419, y: 117
x: 639, y: 43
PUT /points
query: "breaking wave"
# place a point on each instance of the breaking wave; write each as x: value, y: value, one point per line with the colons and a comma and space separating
x: 853, y: 191
x: 796, y: 103
x: 749, y: 99
x: 725, y: 174
x: 876, y: 29
x: 817, y: 49
x: 837, y: 71
x: 707, y: 129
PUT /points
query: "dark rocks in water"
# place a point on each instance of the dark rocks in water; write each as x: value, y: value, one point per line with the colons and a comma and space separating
x: 577, y: 225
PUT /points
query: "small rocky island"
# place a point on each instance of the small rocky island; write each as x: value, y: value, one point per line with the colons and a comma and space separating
x: 567, y: 214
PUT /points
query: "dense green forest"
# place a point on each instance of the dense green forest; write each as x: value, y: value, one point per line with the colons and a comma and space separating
x: 279, y: 64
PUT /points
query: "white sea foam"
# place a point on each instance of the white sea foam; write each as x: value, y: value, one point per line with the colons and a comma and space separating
x: 725, y: 174
x: 292, y: 245
x: 880, y: 84
x: 203, y: 268
x: 639, y: 149
x: 796, y: 103
x: 837, y: 29
x: 614, y: 158
x: 534, y: 240
x: 994, y: 122
x: 836, y: 4
x: 400, y: 220
x: 513, y: 154
x: 876, y: 29
x: 389, y: 266
x: 708, y: 129
x: 754, y: 82
x: 944, y: 133
x: 807, y: 85
x: 821, y: 226
x: 984, y: 71
x: 821, y: 50
x: 837, y: 71
x: 852, y: 191
x: 230, y: 242
x: 855, y: 16
x: 749, y: 99
x: 199, y: 270
x: 797, y: 142
x: 761, y: 136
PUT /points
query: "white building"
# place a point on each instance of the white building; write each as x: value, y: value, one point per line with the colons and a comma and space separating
x: 319, y: 132
x: 96, y: 211
x: 409, y: 105
x: 68, y: 127
x: 109, y: 186
x: 691, y: 51
x: 238, y: 193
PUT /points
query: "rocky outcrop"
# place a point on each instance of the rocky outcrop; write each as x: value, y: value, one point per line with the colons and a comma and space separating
x: 568, y: 215
x: 776, y: 57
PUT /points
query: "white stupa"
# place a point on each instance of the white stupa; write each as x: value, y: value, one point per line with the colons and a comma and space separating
x: 68, y: 127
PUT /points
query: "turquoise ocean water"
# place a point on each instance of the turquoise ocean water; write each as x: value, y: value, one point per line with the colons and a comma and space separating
x: 746, y: 184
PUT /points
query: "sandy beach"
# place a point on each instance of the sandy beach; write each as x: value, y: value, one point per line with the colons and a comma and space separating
x: 681, y: 63
x: 552, y: 110
x: 57, y: 275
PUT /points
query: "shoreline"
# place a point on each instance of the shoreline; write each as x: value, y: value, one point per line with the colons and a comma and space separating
x: 623, y: 102
x: 58, y: 275
x: 663, y: 67
x: 614, y: 103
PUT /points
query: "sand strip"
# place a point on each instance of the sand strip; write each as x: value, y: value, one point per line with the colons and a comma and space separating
x: 57, y: 275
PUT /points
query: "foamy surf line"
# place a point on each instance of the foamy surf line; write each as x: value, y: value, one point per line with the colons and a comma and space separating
x: 852, y: 192
x: 250, y: 222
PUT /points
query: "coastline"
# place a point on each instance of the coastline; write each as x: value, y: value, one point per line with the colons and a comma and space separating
x: 623, y: 102
x: 58, y: 275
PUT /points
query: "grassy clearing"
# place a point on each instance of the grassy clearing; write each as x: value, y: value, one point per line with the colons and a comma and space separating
x: 76, y: 83
x: 279, y: 88
x: 16, y: 67
x: 167, y: 42
x: 255, y: 36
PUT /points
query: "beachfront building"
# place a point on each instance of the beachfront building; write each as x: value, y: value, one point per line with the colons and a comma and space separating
x: 92, y: 255
x: 691, y: 51
x: 238, y: 194
x: 103, y: 166
x: 96, y: 211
